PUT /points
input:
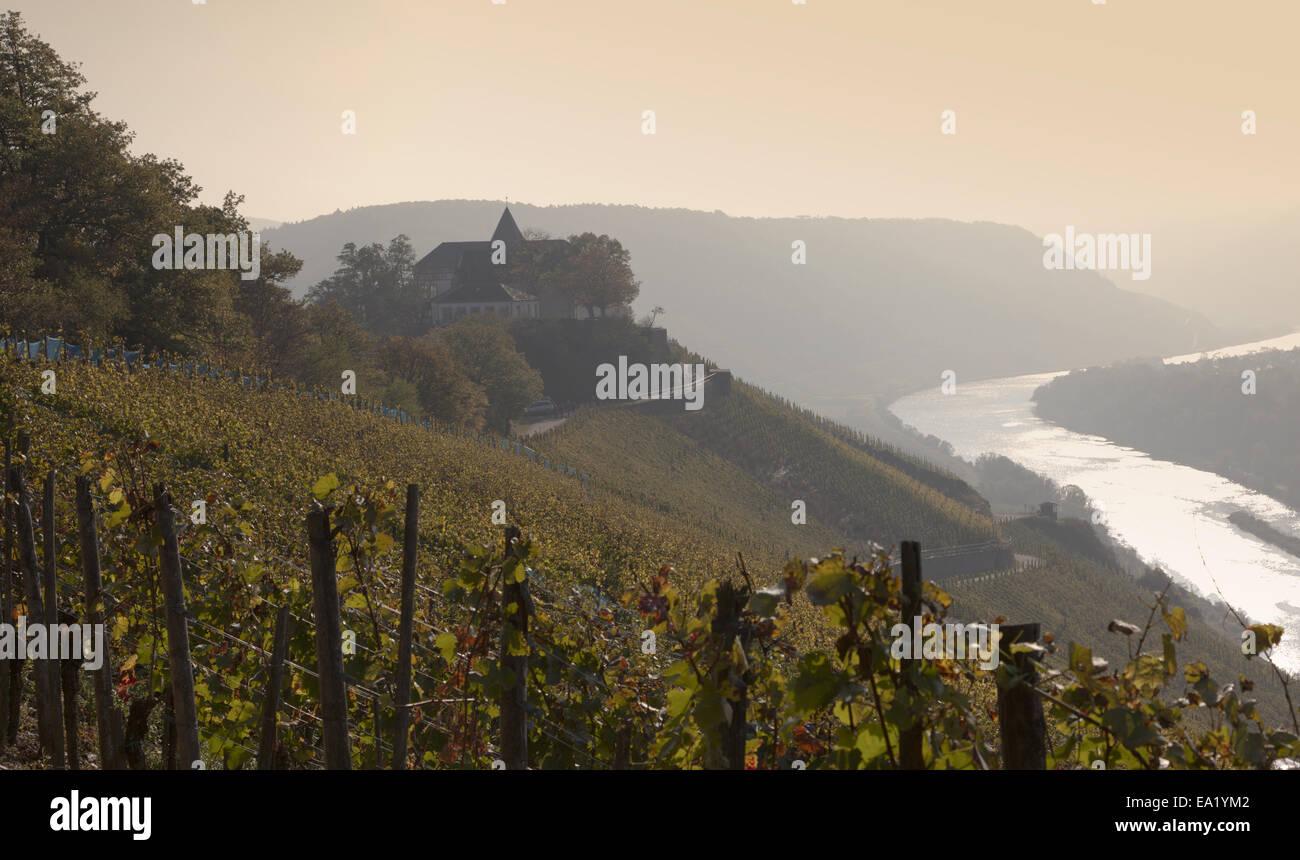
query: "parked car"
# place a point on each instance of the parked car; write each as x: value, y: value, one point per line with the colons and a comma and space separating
x: 544, y: 408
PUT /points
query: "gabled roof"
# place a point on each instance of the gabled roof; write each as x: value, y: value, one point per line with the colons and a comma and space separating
x: 483, y: 293
x: 474, y: 256
x: 448, y: 254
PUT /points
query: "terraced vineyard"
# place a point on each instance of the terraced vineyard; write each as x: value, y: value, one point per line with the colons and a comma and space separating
x: 1076, y: 598
x: 782, y: 663
x: 762, y: 455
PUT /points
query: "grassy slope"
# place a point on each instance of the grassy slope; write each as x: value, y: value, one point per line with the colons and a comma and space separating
x: 1075, y: 598
x: 662, y: 495
x: 271, y: 446
x: 1075, y: 595
x: 744, y: 459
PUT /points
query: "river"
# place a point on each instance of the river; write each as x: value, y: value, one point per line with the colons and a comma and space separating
x: 1172, y: 515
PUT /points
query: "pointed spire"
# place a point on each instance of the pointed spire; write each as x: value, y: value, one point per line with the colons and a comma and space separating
x: 507, y: 229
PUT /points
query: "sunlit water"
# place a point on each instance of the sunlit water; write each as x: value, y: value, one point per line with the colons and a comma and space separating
x: 1174, y: 516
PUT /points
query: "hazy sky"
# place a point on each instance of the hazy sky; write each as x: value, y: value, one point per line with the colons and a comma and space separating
x: 1110, y: 117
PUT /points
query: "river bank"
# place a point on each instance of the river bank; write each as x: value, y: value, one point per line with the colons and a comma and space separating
x: 1173, y: 516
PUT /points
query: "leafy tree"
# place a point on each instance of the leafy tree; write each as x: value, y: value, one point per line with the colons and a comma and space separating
x: 78, y: 212
x: 541, y: 268
x: 278, y: 323
x: 443, y: 391
x: 566, y: 352
x: 400, y: 394
x: 598, y: 274
x: 335, y: 342
x: 376, y: 284
x: 486, y: 353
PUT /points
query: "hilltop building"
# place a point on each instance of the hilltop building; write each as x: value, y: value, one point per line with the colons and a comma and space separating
x: 461, y: 278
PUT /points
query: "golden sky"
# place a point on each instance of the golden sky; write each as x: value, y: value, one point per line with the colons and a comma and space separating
x: 1105, y: 116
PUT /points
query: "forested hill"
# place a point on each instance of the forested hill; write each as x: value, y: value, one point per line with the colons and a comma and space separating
x: 1197, y: 413
x: 890, y: 304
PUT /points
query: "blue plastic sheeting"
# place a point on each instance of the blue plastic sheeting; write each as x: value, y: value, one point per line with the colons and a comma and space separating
x: 131, y: 357
x: 73, y: 350
x: 34, y: 349
x: 53, y: 347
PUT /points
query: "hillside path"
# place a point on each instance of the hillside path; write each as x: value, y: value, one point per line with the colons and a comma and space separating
x: 541, y: 426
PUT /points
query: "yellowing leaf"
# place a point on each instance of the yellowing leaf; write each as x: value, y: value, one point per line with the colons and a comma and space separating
x: 1176, y: 619
x: 326, y: 485
x: 1267, y: 635
x: 446, y: 643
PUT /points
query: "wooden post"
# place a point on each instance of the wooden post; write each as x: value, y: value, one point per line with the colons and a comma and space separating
x: 169, y: 732
x: 514, y: 696
x: 376, y: 733
x: 50, y: 594
x: 623, y: 748
x: 329, y: 642
x: 1020, y: 711
x: 410, y: 544
x: 910, y: 739
x: 71, y: 672
x: 6, y: 600
x: 47, y: 714
x: 274, y: 683
x: 178, y: 634
x: 11, y: 573
x: 110, y: 730
x: 726, y: 628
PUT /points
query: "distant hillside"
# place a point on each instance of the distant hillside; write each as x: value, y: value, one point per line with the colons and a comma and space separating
x: 1255, y: 255
x: 889, y: 304
x: 1194, y: 413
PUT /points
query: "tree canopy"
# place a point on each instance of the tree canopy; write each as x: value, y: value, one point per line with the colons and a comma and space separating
x: 78, y: 211
x: 376, y: 284
x: 484, y: 350
x: 599, y: 273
